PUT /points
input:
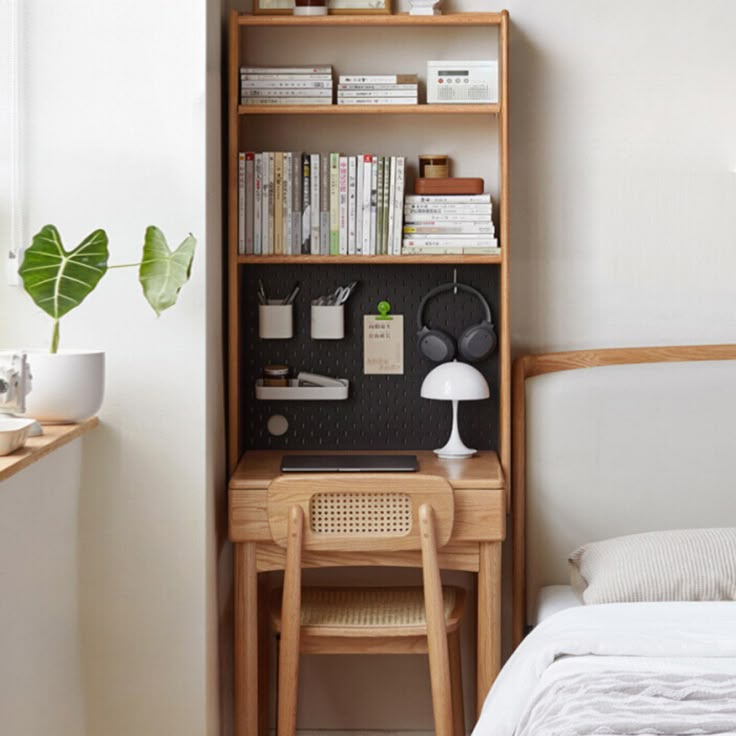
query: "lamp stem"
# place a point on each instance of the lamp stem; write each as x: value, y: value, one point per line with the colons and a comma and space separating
x: 455, y: 446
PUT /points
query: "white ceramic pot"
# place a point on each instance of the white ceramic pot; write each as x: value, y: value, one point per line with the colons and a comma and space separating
x: 66, y: 387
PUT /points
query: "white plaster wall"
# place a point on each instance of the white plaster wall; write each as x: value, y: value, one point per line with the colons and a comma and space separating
x: 41, y: 688
x: 122, y: 131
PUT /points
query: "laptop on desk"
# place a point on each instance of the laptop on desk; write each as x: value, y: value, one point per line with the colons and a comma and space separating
x: 349, y: 463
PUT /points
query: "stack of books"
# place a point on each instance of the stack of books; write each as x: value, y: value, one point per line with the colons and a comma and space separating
x: 377, y: 89
x: 294, y: 203
x: 286, y: 85
x: 438, y: 224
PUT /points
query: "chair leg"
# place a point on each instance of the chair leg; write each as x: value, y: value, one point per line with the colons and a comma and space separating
x: 456, y: 683
x: 287, y: 689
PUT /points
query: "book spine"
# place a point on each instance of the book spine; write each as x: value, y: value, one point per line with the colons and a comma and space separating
x: 368, y: 88
x: 293, y: 85
x: 409, y: 100
x: 286, y: 203
x: 334, y: 204
x: 296, y: 94
x: 459, y: 228
x: 306, y: 213
x: 449, y: 241
x: 430, y: 199
x: 257, y: 203
x: 366, y: 219
x: 359, y: 205
x: 296, y: 203
x: 241, y: 203
x: 289, y: 78
x: 249, y: 200
x: 266, y: 235
x: 314, y: 202
x: 390, y: 248
x: 386, y: 189
x: 374, y: 203
x: 287, y: 101
x: 378, y: 79
x: 343, y: 206
x: 399, y: 203
x: 447, y: 209
x: 450, y: 250
x: 361, y: 93
x: 428, y: 218
x: 379, y: 206
x: 324, y: 204
x: 278, y: 198
x: 288, y: 70
x: 352, y: 165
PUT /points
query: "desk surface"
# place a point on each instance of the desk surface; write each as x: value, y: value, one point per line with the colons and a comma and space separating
x: 257, y: 468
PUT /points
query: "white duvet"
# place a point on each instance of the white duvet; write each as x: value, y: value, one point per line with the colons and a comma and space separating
x: 688, y: 647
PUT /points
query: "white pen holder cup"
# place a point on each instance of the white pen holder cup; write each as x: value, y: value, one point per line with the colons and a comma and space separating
x: 275, y: 321
x: 328, y: 322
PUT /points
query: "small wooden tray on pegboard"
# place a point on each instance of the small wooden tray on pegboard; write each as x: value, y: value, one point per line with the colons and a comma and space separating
x: 450, y: 185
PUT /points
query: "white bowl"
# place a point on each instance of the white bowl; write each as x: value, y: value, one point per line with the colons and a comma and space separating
x: 13, y: 433
x: 66, y: 387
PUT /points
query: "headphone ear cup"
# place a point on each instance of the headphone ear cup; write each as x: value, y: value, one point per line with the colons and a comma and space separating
x: 436, y: 345
x: 477, y: 342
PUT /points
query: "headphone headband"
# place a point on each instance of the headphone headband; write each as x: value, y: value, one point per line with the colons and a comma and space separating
x: 447, y: 287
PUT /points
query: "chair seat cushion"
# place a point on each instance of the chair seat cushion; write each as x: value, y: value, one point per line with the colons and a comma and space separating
x: 374, y: 608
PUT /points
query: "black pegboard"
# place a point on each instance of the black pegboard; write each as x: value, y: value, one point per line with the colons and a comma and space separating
x: 382, y: 412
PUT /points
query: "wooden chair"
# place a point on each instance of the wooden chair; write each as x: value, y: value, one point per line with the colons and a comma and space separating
x: 323, y: 515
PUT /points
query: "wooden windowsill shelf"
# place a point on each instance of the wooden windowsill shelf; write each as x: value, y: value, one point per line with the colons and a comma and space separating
x: 368, y: 260
x: 53, y: 437
x: 423, y: 109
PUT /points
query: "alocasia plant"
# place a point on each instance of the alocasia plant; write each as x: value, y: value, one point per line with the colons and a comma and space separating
x: 59, y: 280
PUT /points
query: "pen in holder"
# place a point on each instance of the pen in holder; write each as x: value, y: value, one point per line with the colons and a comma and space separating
x: 275, y: 321
x: 328, y: 322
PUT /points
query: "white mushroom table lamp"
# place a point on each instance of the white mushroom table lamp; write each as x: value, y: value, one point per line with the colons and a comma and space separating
x: 455, y: 382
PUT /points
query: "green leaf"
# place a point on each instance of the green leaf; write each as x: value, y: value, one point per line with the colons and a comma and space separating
x: 163, y: 273
x: 58, y: 280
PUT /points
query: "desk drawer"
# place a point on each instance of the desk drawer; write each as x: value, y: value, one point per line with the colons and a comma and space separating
x: 480, y: 515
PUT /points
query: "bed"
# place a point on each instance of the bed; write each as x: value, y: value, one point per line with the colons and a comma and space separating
x: 626, y: 458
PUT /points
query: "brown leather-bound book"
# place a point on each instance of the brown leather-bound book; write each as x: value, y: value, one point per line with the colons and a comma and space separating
x: 451, y: 185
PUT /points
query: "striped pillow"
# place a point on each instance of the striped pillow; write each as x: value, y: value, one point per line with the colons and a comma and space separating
x: 681, y: 565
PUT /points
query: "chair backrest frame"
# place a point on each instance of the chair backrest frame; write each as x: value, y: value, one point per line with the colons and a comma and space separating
x: 361, y: 496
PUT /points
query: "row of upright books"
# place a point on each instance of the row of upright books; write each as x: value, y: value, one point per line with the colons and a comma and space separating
x: 444, y: 224
x: 378, y: 89
x: 294, y: 203
x: 281, y: 85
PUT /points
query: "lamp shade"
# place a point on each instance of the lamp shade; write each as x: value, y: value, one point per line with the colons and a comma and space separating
x: 455, y: 382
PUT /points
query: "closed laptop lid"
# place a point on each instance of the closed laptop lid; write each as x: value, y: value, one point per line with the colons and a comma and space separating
x: 348, y: 463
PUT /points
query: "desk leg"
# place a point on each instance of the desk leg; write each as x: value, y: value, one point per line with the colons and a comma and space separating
x: 489, y: 619
x: 246, y: 640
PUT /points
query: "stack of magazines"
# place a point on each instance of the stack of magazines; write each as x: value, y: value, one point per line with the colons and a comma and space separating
x: 459, y: 224
x: 377, y: 89
x: 282, y: 85
x: 296, y: 203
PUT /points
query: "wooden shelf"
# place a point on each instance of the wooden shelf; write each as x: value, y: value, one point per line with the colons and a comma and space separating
x: 401, y: 20
x: 479, y: 109
x: 371, y: 260
x: 54, y: 435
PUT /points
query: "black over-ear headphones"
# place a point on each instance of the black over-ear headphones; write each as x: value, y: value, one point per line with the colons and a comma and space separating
x: 475, y: 343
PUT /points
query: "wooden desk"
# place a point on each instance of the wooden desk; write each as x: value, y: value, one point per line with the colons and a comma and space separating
x: 475, y: 546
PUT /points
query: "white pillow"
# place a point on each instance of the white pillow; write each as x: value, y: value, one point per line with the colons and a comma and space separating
x: 681, y: 565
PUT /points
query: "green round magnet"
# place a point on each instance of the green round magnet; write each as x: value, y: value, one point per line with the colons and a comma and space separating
x: 383, y: 309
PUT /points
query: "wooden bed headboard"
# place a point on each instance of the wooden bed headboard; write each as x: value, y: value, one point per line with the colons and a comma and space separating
x: 643, y: 439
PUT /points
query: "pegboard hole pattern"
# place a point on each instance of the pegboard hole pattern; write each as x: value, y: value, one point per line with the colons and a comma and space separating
x: 364, y: 514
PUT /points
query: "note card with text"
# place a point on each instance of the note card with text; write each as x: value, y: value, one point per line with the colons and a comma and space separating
x: 383, y: 344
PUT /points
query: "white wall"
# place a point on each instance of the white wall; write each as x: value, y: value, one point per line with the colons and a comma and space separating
x: 41, y: 688
x: 122, y: 131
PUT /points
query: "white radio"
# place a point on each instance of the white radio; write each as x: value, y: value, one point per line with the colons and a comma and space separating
x: 462, y: 81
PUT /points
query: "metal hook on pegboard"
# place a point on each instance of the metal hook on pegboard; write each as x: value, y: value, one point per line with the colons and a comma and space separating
x: 454, y: 280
